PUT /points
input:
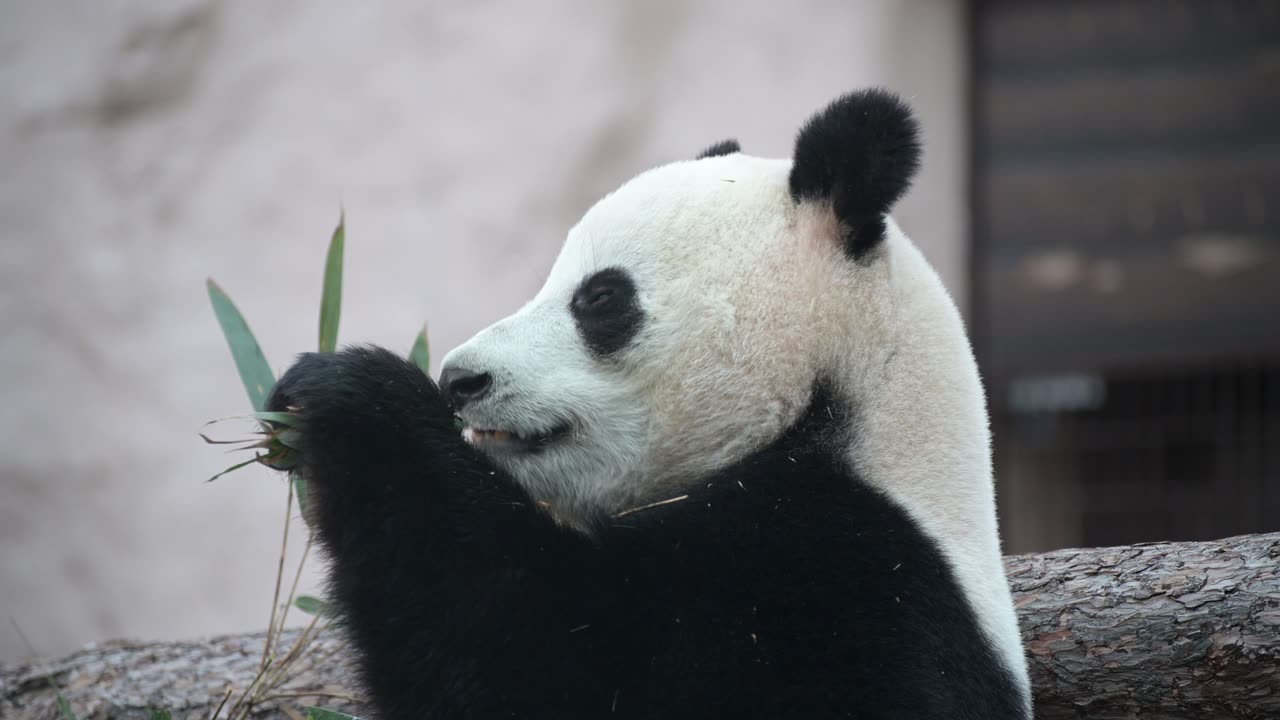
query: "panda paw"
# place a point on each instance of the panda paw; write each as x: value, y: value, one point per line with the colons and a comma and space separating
x: 359, y: 402
x: 377, y: 450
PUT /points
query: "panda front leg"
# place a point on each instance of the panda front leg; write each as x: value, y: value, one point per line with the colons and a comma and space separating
x: 457, y: 593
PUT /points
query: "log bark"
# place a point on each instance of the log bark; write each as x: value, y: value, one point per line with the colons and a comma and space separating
x: 1162, y: 630
x: 1159, y: 631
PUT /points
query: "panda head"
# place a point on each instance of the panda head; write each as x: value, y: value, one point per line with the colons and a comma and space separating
x: 690, y: 313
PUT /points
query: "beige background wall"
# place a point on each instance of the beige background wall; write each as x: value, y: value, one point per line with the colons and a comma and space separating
x: 147, y: 145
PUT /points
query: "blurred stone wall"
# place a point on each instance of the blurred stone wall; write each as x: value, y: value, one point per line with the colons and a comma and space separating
x: 147, y: 145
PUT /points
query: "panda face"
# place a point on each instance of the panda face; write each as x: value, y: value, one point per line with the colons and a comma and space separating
x: 674, y: 334
x: 690, y: 312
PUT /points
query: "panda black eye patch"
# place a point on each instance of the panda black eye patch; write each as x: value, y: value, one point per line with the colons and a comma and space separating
x: 607, y: 311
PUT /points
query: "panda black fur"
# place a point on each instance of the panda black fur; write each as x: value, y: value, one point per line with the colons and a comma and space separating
x: 556, y: 567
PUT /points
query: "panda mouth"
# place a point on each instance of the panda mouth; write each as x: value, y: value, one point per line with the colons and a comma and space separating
x: 512, y: 442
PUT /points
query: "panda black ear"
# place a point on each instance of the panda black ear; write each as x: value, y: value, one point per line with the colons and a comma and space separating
x: 724, y: 147
x: 859, y: 154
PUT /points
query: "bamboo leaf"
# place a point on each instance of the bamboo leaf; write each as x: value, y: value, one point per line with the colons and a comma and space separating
x: 291, y: 439
x: 227, y: 419
x: 64, y: 707
x: 315, y: 713
x: 235, y: 467
x: 420, y: 355
x: 281, y: 418
x: 312, y: 605
x: 280, y: 457
x: 211, y: 441
x: 331, y: 299
x: 161, y: 715
x: 300, y: 489
x: 252, y: 365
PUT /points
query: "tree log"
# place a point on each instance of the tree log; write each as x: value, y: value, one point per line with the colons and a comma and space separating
x: 1162, y: 631
x: 1158, y: 630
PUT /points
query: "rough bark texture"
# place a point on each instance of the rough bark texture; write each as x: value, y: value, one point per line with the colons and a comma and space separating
x: 124, y: 679
x: 1162, y: 630
x: 1157, y: 631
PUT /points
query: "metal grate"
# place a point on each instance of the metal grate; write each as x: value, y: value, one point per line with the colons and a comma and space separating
x: 1190, y: 454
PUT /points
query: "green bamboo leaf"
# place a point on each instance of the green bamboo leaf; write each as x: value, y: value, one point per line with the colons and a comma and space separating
x: 233, y: 468
x: 315, y: 713
x: 161, y: 715
x: 281, y: 418
x: 64, y: 707
x: 280, y: 457
x: 300, y: 489
x: 228, y: 419
x: 331, y: 299
x: 420, y: 355
x: 252, y: 365
x: 211, y: 441
x: 311, y: 605
x: 291, y: 439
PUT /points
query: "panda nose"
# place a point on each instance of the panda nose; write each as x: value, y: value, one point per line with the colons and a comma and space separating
x: 461, y: 386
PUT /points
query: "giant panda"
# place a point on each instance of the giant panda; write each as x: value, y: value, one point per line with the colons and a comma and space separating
x: 731, y: 461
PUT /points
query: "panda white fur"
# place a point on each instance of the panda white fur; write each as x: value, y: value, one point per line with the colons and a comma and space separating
x: 731, y: 461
